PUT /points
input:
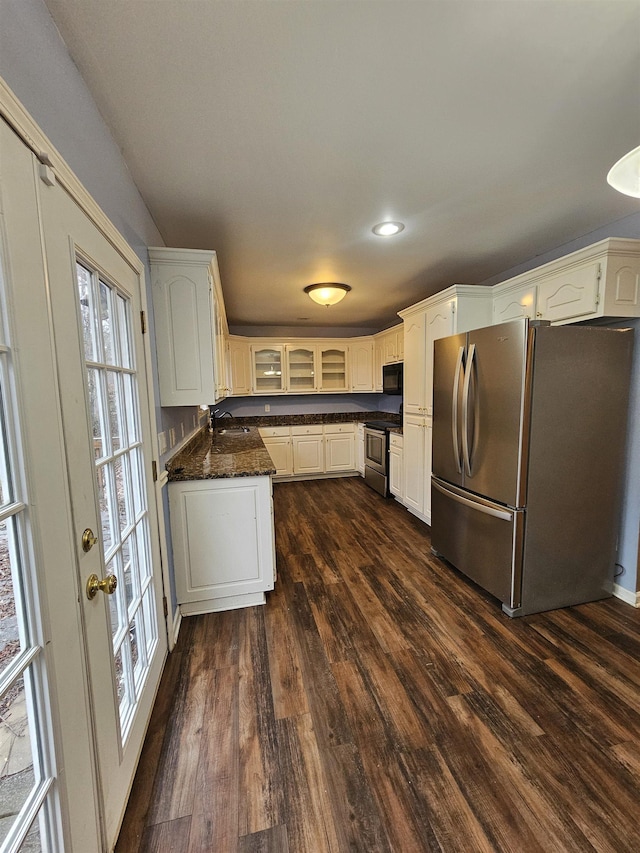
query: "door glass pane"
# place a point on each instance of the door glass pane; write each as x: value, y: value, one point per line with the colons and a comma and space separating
x: 120, y: 483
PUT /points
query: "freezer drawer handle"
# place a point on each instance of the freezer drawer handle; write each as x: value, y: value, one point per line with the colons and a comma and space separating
x: 454, y: 411
x: 487, y: 510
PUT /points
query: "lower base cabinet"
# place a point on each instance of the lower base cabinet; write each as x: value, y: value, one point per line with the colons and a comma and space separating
x: 223, y: 542
x: 309, y: 449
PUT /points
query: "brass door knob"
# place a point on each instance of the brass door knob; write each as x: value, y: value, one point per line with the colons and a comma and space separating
x: 95, y: 585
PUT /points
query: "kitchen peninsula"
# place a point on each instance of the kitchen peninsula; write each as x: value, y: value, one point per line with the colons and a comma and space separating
x: 222, y: 521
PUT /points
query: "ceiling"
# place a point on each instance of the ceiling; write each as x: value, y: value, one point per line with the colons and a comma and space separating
x: 278, y: 133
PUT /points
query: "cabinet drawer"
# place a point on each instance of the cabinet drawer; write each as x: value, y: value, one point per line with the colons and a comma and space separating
x: 395, y: 439
x: 272, y: 432
x: 307, y: 429
x: 333, y: 429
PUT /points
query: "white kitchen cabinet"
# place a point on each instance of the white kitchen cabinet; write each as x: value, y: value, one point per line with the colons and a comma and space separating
x: 239, y: 366
x: 308, y: 449
x: 393, y: 345
x: 388, y: 348
x: 339, y: 448
x: 333, y: 368
x: 223, y: 542
x: 267, y: 369
x: 302, y: 368
x: 514, y: 303
x: 601, y: 280
x: 361, y: 364
x: 189, y: 322
x: 360, y: 448
x: 396, y: 473
x: 277, y: 440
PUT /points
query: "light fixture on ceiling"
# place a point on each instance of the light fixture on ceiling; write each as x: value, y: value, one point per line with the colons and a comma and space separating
x: 624, y: 175
x: 327, y: 292
x: 388, y: 229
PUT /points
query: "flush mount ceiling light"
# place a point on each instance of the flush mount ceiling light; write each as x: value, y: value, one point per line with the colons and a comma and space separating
x: 387, y: 229
x: 328, y: 292
x: 624, y: 176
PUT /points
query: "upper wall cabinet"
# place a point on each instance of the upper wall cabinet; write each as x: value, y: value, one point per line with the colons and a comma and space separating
x: 190, y: 325
x: 268, y: 369
x: 602, y: 280
x: 361, y: 361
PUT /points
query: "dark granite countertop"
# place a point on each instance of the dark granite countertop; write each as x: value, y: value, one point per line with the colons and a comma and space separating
x: 211, y: 457
x: 225, y: 454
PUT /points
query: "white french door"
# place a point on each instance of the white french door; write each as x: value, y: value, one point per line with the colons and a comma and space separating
x: 96, y: 307
x: 88, y: 506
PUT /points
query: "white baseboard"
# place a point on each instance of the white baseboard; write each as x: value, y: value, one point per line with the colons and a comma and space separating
x: 626, y: 595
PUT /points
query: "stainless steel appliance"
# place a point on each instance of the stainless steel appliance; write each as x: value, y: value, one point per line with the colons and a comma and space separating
x: 392, y: 378
x: 376, y: 455
x: 529, y: 427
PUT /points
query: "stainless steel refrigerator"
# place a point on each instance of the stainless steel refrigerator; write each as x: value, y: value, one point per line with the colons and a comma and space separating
x: 529, y: 430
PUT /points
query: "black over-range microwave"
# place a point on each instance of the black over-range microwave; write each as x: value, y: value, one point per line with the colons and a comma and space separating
x: 392, y: 378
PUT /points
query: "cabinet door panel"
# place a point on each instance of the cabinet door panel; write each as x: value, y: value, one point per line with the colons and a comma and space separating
x: 414, y: 460
x: 339, y: 452
x: 518, y: 303
x: 308, y: 454
x: 414, y: 363
x: 569, y: 294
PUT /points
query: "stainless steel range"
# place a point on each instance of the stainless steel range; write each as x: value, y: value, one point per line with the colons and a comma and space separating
x: 376, y: 455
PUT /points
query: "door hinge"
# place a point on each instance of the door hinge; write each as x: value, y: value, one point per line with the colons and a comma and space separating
x: 154, y: 471
x: 165, y: 606
x: 143, y: 322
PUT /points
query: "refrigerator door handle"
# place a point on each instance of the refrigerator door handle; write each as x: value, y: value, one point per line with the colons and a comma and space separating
x: 487, y: 510
x: 465, y: 409
x: 454, y: 410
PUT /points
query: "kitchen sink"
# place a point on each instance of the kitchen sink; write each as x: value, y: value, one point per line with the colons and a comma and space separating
x: 233, y: 430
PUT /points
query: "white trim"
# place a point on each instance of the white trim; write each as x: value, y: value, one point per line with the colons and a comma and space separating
x: 626, y: 595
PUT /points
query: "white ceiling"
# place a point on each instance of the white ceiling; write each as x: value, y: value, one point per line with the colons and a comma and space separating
x: 278, y: 132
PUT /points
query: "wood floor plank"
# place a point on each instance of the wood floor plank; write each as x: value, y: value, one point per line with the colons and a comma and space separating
x: 309, y: 818
x: 261, y: 786
x: 214, y: 820
x: 273, y: 840
x: 169, y: 837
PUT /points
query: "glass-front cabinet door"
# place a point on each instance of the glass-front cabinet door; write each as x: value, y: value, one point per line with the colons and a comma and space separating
x: 333, y: 367
x: 302, y: 372
x: 266, y: 362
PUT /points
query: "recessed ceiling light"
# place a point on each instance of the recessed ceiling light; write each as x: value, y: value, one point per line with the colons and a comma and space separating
x: 387, y: 229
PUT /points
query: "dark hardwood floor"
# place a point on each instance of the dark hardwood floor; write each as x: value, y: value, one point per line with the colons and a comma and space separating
x: 381, y: 702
